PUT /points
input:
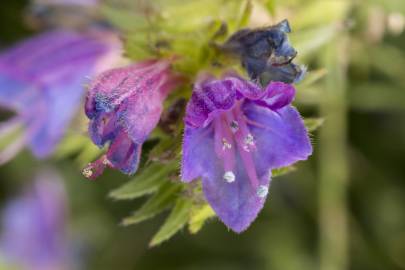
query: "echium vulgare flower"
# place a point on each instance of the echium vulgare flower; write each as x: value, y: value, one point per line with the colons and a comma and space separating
x: 266, y: 53
x: 33, y: 231
x: 124, y: 105
x: 42, y: 80
x: 236, y: 133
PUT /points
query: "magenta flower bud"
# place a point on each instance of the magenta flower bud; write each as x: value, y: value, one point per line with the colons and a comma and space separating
x: 235, y: 135
x: 124, y: 105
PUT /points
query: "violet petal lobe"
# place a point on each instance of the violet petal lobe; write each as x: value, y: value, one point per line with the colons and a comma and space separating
x: 123, y: 153
x: 236, y: 203
x: 277, y: 95
x: 198, y: 152
x: 280, y: 136
x: 208, y: 99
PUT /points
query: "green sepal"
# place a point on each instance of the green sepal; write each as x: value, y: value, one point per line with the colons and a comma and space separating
x: 313, y: 124
x: 177, y: 219
x: 199, y: 214
x: 164, y: 198
x: 282, y: 171
x: 145, y: 182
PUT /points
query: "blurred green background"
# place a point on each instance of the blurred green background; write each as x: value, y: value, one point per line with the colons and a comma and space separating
x: 342, y: 209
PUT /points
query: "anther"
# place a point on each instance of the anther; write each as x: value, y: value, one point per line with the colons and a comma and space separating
x: 229, y: 176
x: 234, y: 126
x: 249, y: 140
x: 87, y: 172
x: 226, y: 144
x: 262, y: 191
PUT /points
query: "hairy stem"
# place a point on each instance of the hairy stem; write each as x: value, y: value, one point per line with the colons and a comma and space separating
x: 333, y: 173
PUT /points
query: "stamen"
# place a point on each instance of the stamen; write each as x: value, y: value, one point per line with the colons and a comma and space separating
x: 249, y: 140
x: 96, y: 168
x: 245, y: 144
x: 224, y: 141
x: 226, y: 144
x: 87, y: 172
x: 262, y: 191
x: 234, y: 126
x: 249, y: 143
x: 229, y: 176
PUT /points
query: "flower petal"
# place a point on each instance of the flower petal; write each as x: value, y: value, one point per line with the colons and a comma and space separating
x: 289, y: 73
x: 123, y: 154
x: 198, y: 152
x: 280, y: 136
x: 102, y: 128
x: 112, y: 87
x: 42, y: 79
x: 237, y: 204
x: 124, y: 105
x: 33, y: 226
x: 139, y: 114
x: 56, y: 108
x: 277, y: 95
x: 14, y: 95
x: 209, y: 99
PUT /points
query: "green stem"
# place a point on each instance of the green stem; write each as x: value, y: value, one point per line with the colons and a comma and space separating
x: 333, y: 169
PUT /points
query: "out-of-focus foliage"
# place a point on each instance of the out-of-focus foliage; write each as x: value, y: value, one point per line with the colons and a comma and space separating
x: 355, y: 88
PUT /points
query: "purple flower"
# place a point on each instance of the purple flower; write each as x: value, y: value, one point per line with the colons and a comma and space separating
x: 42, y: 80
x: 67, y: 2
x: 124, y: 105
x: 235, y: 134
x: 33, y: 227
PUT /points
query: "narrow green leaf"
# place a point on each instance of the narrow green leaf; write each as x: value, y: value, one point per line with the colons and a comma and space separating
x: 313, y: 124
x: 389, y: 60
x: 167, y: 149
x: 245, y: 12
x: 311, y: 40
x: 377, y: 96
x: 89, y: 153
x: 175, y: 222
x: 199, y: 214
x: 188, y: 16
x: 282, y: 171
x: 318, y: 13
x: 125, y: 15
x: 312, y: 77
x: 71, y: 144
x: 140, y: 45
x: 163, y: 199
x: 389, y: 5
x: 11, y: 131
x: 145, y: 182
x: 270, y: 6
x: 310, y: 96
